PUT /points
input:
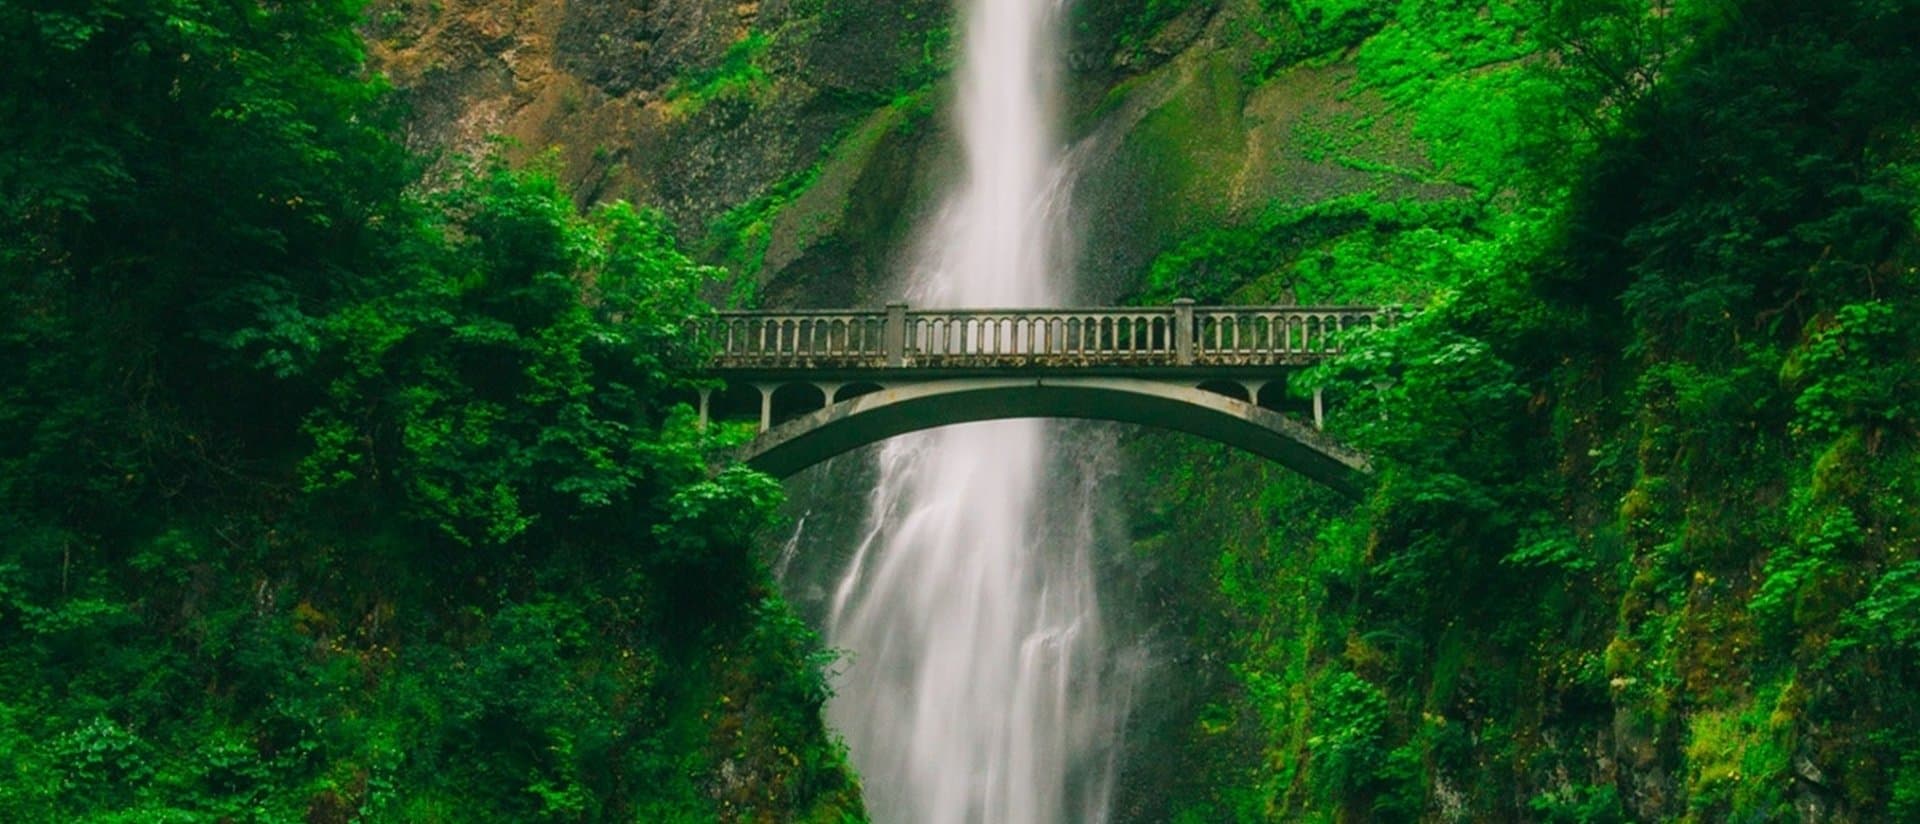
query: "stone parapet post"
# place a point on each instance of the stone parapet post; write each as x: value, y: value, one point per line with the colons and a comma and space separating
x: 896, y: 334
x: 1183, y: 332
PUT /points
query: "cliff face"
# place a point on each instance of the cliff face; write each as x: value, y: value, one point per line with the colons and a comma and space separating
x: 719, y: 113
x: 799, y: 143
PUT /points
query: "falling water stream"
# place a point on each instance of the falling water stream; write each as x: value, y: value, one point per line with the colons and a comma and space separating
x: 980, y: 687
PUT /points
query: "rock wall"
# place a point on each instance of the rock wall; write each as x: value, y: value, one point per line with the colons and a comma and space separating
x: 700, y: 108
x: 799, y: 142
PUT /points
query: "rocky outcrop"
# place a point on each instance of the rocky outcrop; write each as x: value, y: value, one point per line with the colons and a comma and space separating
x: 1200, y: 140
x: 796, y: 141
x: 691, y: 106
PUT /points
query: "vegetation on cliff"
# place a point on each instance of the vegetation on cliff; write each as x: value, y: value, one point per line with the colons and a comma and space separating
x: 1643, y: 542
x: 324, y: 499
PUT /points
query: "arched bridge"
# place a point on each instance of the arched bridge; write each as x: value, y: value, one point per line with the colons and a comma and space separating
x: 825, y: 382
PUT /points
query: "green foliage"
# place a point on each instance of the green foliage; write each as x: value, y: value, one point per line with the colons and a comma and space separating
x: 1349, y: 750
x: 1799, y: 582
x: 936, y: 48
x: 738, y: 75
x: 520, y: 372
x: 1860, y: 370
x: 738, y: 238
x: 1644, y: 456
x: 1303, y: 29
x: 1332, y: 251
x: 1580, y: 805
x: 1891, y: 611
x: 324, y: 499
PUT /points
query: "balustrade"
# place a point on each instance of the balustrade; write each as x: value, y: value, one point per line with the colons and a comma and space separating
x: 1253, y: 336
x: 995, y: 338
x: 1180, y: 335
x: 744, y: 339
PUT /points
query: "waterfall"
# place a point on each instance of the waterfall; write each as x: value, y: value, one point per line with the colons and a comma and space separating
x: 980, y: 687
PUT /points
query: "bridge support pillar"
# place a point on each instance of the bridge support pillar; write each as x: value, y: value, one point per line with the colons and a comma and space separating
x: 706, y: 408
x: 1319, y: 408
x: 766, y: 406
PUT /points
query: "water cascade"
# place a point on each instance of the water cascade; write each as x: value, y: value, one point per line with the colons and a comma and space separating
x: 980, y: 687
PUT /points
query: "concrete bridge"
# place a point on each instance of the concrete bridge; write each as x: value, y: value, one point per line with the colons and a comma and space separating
x: 825, y: 382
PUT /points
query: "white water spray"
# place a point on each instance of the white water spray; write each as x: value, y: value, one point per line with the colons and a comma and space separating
x: 976, y: 692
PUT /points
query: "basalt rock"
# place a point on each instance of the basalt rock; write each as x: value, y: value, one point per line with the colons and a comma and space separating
x: 690, y: 106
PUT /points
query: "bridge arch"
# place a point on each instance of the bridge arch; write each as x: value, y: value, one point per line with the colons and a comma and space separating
x: 856, y: 389
x: 788, y: 401
x: 902, y: 408
x: 1228, y: 389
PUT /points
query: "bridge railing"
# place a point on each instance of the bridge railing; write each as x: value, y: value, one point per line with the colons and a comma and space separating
x: 1237, y: 336
x: 1179, y: 335
x: 991, y: 338
x: 744, y: 339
